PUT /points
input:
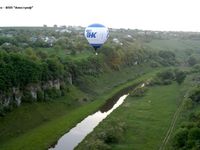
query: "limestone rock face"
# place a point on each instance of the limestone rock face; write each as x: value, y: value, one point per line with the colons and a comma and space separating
x: 17, y: 95
x: 70, y: 79
x: 32, y: 92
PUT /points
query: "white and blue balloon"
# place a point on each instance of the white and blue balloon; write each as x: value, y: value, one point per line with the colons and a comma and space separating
x: 96, y: 34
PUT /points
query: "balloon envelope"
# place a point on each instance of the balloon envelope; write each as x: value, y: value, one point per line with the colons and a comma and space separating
x: 96, y: 34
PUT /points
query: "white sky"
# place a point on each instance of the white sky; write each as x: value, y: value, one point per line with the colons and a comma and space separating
x: 179, y: 15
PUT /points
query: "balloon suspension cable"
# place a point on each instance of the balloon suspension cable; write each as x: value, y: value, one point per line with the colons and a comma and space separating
x: 95, y: 51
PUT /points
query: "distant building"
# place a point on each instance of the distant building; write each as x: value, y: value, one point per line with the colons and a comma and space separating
x: 129, y: 36
x: 116, y: 40
x: 33, y: 39
x: 50, y: 40
x: 65, y: 30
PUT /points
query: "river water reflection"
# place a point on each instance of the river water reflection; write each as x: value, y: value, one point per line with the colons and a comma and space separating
x: 71, y: 139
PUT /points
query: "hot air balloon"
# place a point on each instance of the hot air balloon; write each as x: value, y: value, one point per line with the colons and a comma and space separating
x: 96, y: 34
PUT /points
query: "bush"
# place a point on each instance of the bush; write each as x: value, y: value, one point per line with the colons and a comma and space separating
x: 188, y: 136
x: 194, y: 134
x: 166, y: 75
x: 103, y: 138
x: 193, y: 139
x: 188, y: 125
x: 167, y: 58
x: 2, y: 111
x: 64, y: 90
x: 195, y: 95
x: 192, y: 60
x: 110, y: 135
x: 180, y: 138
x: 138, y: 92
x: 95, y: 144
x: 40, y: 95
x: 196, y: 68
x: 163, y: 78
x: 188, y: 103
x: 113, y: 133
x: 194, y: 116
x: 52, y: 93
x: 180, y: 76
x: 27, y: 97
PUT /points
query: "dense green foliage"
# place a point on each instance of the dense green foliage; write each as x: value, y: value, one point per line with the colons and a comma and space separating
x: 167, y: 76
x: 18, y: 70
x: 187, y: 135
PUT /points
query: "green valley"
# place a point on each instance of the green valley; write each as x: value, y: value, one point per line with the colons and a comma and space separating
x: 51, y: 79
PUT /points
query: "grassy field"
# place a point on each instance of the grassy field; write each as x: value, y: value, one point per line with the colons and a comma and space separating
x: 104, y: 82
x: 147, y: 118
x: 151, y: 116
x: 31, y: 115
x: 182, y: 48
x: 174, y: 44
x: 36, y: 126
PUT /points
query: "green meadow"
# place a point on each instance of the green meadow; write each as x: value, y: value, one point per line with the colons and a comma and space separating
x: 147, y: 119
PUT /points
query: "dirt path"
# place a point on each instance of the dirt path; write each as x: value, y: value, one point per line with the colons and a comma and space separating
x: 171, y: 127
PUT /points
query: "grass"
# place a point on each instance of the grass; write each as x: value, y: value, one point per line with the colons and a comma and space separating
x: 37, y: 126
x: 151, y: 116
x: 187, y: 85
x: 176, y: 45
x: 46, y: 134
x: 107, y: 81
x: 31, y: 115
x: 147, y: 118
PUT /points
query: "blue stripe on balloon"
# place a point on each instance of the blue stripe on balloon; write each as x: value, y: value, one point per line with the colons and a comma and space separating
x: 96, y: 25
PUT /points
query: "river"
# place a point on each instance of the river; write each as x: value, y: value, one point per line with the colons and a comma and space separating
x: 72, y: 138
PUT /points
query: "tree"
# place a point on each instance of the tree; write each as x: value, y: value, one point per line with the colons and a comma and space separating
x: 194, y: 134
x: 180, y: 76
x: 195, y: 95
x: 31, y: 54
x: 55, y: 68
x: 166, y: 75
x: 42, y: 55
x: 180, y: 138
x: 192, y: 60
x: 168, y: 57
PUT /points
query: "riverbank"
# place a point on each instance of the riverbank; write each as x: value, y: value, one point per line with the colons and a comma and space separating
x: 147, y: 120
x: 42, y: 136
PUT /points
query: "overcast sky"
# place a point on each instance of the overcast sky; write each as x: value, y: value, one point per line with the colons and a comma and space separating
x: 176, y: 15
